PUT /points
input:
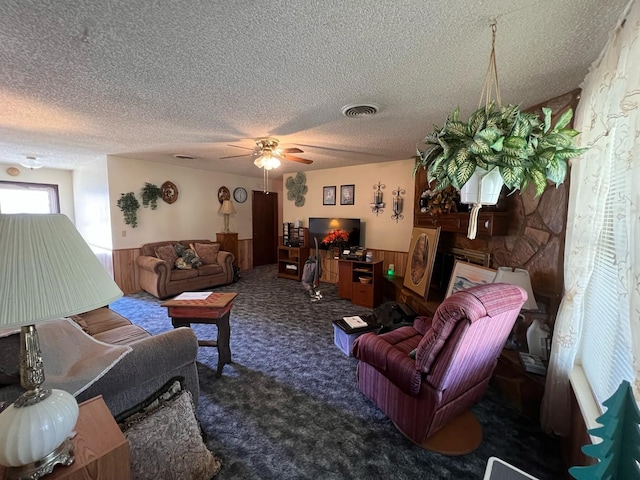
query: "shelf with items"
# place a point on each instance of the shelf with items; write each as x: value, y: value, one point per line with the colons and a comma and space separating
x: 291, y: 261
x: 294, y: 236
x: 367, y: 292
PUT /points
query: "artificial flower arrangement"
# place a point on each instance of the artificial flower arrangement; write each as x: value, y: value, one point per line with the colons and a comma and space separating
x: 335, y: 237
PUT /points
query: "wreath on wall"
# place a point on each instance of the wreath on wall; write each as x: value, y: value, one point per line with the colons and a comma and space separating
x: 297, y: 188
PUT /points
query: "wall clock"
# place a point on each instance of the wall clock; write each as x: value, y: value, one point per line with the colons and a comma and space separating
x: 223, y: 194
x: 240, y: 195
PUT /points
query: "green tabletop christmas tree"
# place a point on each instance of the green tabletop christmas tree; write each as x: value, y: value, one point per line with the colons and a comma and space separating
x: 619, y: 451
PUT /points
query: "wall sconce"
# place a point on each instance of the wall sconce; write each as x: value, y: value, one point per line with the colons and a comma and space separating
x: 397, y: 204
x: 377, y: 206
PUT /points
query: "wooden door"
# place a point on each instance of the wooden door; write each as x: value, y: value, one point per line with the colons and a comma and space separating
x: 265, y: 227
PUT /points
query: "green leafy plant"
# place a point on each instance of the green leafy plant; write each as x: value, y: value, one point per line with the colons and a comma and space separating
x: 129, y: 205
x: 525, y: 148
x: 150, y: 195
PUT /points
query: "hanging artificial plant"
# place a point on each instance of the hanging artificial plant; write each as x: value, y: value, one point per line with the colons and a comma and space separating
x: 524, y: 148
x: 497, y: 145
x: 129, y: 205
x: 150, y: 195
x: 296, y: 188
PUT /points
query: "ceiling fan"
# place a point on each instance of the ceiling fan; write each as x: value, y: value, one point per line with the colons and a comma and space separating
x: 269, y: 155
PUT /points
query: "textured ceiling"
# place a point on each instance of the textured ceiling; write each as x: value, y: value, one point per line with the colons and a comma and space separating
x: 80, y: 80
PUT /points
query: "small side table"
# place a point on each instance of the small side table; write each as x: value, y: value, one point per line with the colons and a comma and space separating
x: 229, y: 243
x: 100, y: 449
x: 522, y: 388
x: 215, y: 309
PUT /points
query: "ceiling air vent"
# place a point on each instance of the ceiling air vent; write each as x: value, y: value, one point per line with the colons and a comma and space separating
x: 364, y: 110
x: 183, y: 156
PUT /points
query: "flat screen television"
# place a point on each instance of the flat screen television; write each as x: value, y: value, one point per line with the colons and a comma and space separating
x: 320, y: 227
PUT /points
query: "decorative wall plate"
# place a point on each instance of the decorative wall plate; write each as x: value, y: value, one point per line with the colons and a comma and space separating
x: 240, y: 195
x: 223, y: 194
x: 169, y: 192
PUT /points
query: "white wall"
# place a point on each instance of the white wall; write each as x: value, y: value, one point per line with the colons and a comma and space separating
x: 62, y: 178
x: 91, y: 194
x: 193, y: 215
x: 378, y: 232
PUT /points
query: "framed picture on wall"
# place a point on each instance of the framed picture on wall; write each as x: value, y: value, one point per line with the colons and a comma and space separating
x: 466, y: 275
x: 329, y: 195
x: 422, y: 254
x: 347, y: 194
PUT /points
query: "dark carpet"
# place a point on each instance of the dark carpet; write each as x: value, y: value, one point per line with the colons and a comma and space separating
x: 288, y: 407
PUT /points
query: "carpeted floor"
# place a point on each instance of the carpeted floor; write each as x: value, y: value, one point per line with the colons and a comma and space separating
x: 288, y: 407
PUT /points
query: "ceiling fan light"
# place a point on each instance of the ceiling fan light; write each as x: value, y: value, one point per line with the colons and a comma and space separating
x: 271, y: 163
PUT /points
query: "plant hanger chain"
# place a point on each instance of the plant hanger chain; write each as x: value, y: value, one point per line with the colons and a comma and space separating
x: 491, y: 79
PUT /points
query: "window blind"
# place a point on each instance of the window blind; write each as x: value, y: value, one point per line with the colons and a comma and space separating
x: 606, y: 349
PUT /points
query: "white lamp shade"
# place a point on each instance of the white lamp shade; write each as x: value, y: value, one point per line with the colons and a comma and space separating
x: 35, y: 431
x: 227, y: 208
x: 48, y: 270
x: 519, y: 277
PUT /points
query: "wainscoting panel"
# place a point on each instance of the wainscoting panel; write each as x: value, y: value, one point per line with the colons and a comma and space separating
x: 125, y: 273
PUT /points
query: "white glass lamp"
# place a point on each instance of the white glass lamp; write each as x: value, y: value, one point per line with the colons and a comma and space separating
x: 268, y: 160
x: 48, y: 271
x: 519, y: 277
x: 227, y: 209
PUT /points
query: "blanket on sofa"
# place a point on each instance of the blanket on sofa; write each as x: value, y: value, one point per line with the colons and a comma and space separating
x: 73, y: 360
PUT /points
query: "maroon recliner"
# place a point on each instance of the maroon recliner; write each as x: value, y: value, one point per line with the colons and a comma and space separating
x: 425, y: 376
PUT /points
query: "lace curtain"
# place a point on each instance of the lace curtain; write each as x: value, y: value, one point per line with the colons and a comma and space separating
x: 609, y: 118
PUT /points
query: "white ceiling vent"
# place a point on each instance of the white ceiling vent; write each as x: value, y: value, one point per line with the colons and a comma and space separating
x: 184, y: 156
x: 363, y: 110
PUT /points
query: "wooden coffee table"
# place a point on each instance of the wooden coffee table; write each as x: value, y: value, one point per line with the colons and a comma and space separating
x: 214, y: 309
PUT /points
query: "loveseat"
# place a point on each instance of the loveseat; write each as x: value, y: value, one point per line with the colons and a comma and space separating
x: 162, y: 279
x: 152, y: 361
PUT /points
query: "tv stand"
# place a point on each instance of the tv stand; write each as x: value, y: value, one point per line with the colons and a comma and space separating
x: 349, y: 286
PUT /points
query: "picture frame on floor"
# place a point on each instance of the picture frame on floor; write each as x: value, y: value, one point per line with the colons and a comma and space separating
x: 466, y: 275
x: 422, y: 254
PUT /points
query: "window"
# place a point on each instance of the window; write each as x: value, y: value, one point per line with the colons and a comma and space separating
x: 606, y: 346
x: 20, y: 197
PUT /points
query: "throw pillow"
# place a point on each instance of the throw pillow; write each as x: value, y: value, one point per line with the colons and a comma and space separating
x: 167, y: 253
x: 208, y: 252
x: 187, y: 258
x: 165, y: 442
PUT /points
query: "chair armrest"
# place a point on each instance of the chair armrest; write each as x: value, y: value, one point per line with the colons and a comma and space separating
x: 397, y: 366
x: 225, y: 260
x: 422, y: 324
x: 153, y: 275
x: 152, y: 264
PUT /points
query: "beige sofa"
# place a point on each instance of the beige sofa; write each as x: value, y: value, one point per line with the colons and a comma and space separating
x: 163, y: 280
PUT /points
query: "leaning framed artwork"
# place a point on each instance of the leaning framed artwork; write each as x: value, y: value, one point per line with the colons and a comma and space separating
x: 466, y: 275
x: 329, y: 195
x: 347, y: 194
x: 422, y: 254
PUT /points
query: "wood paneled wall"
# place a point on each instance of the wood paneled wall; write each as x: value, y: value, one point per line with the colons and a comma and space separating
x: 125, y: 272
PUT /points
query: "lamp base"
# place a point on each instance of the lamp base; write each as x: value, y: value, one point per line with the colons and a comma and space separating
x: 63, y: 455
